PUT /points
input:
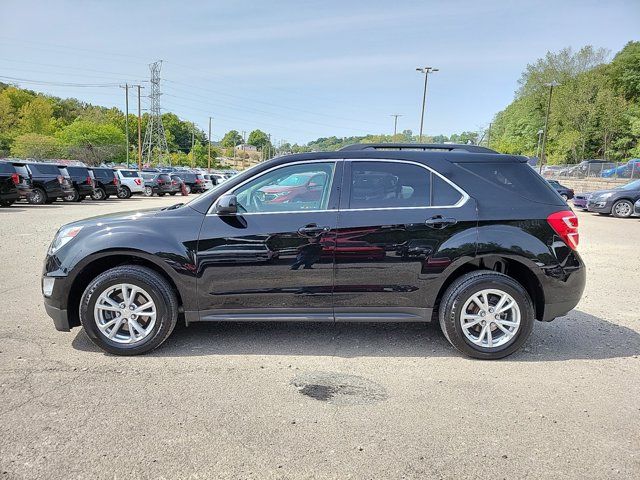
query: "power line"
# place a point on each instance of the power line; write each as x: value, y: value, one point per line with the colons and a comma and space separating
x: 61, y: 84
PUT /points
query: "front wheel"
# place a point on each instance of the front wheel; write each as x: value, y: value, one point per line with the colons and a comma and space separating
x: 622, y: 209
x: 98, y: 194
x: 72, y: 197
x: 124, y: 193
x: 37, y: 196
x: 148, y: 192
x: 129, y: 310
x: 187, y: 188
x: 486, y: 315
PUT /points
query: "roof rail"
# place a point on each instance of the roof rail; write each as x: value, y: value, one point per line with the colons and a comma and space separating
x: 449, y: 147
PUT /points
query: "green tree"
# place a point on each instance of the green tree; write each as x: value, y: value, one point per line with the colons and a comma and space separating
x: 36, y: 116
x: 36, y: 145
x: 625, y: 71
x: 258, y: 139
x: 230, y: 139
x: 93, y: 143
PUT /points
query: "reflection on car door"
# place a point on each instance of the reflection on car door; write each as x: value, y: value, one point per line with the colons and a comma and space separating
x: 271, y: 255
x: 400, y: 227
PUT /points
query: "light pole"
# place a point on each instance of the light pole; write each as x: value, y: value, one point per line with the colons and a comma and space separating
x: 395, y: 122
x: 546, y: 122
x: 426, y: 71
x: 540, y: 132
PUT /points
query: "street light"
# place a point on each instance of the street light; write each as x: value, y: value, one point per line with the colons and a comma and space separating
x: 426, y: 71
x: 540, y: 132
x: 546, y: 121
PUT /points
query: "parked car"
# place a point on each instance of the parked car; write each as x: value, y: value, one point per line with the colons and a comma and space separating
x: 586, y: 168
x: 194, y: 182
x: 631, y: 169
x: 502, y: 252
x: 49, y: 182
x: 636, y: 207
x: 176, y: 183
x: 216, y: 178
x: 82, y: 183
x: 209, y: 182
x: 302, y: 187
x: 617, y: 202
x: 157, y: 184
x: 23, y: 185
x: 130, y: 183
x: 565, y: 192
x: 9, y: 180
x: 106, y: 183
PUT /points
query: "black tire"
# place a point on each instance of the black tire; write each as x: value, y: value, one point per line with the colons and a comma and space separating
x: 173, y: 193
x: 6, y: 203
x: 98, y: 194
x: 466, y: 286
x: 73, y: 197
x: 148, y: 192
x: 37, y: 197
x: 622, y: 209
x: 161, y: 194
x: 81, y: 198
x: 124, y: 193
x: 50, y: 200
x: 158, y: 288
x: 107, y: 196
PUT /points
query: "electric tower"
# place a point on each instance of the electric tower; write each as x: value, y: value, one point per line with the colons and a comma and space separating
x: 155, y: 142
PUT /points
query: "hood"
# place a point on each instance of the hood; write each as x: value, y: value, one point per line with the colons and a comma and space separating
x: 118, y: 217
x: 590, y: 194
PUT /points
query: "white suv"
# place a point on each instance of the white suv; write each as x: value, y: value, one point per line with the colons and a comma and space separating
x: 131, y: 183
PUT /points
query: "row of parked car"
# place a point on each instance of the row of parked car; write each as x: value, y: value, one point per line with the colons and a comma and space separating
x: 621, y: 202
x: 43, y: 183
x: 595, y: 168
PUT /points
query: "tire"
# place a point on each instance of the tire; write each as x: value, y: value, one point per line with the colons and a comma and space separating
x: 50, y: 200
x: 74, y: 197
x: 622, y: 209
x: 37, y: 197
x: 152, y: 285
x: 124, y: 193
x: 161, y: 194
x: 81, y: 198
x: 107, y: 196
x: 460, y: 294
x: 148, y: 192
x: 6, y: 203
x: 173, y: 193
x: 565, y: 197
x: 98, y: 194
x: 187, y: 188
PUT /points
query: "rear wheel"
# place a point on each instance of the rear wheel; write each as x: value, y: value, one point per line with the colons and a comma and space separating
x: 187, y: 188
x: 129, y: 310
x: 98, y: 194
x: 72, y: 197
x: 622, y: 209
x: 486, y: 315
x: 148, y: 192
x: 124, y: 193
x: 37, y: 196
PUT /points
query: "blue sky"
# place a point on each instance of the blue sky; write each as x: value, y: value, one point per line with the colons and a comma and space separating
x: 302, y: 70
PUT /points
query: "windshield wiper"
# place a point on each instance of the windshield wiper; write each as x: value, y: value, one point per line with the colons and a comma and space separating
x: 173, y: 207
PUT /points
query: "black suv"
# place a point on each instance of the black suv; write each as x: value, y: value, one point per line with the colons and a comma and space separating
x: 158, y: 183
x: 105, y: 183
x: 9, y: 181
x: 458, y: 234
x: 50, y: 182
x: 193, y: 181
x: 82, y: 184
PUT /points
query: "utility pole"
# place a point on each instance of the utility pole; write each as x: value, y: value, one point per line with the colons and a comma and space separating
x: 139, y: 130
x: 546, y: 122
x: 426, y: 71
x: 209, y: 152
x: 126, y: 118
x: 489, y: 136
x: 193, y: 142
x: 395, y: 123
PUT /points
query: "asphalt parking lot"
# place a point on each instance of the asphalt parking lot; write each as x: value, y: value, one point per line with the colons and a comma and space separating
x: 319, y: 401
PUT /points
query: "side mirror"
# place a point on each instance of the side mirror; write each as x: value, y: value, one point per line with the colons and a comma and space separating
x: 227, y: 205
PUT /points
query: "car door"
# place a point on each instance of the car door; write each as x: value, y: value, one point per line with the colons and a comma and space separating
x: 401, y: 225
x: 272, y: 260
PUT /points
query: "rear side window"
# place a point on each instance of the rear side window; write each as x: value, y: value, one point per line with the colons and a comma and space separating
x: 129, y: 174
x: 389, y: 184
x: 164, y: 177
x: 78, y: 171
x: 44, y: 169
x: 518, y: 178
x: 442, y: 193
x: 63, y: 171
x: 6, y: 168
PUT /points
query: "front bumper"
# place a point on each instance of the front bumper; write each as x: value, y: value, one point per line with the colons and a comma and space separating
x: 603, y: 206
x: 580, y: 203
x: 55, y: 304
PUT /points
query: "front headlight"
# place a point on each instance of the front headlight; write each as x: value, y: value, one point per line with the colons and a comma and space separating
x: 604, y: 196
x: 64, y: 236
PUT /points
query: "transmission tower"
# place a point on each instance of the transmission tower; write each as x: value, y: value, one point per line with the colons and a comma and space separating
x: 155, y: 142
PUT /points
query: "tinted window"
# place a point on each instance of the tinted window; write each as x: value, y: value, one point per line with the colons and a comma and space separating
x: 517, y: 178
x: 443, y: 194
x: 44, y: 169
x: 389, y: 184
x: 64, y: 172
x: 6, y: 168
x: 129, y: 174
x: 22, y: 170
x: 78, y: 171
x: 148, y: 176
x: 188, y: 177
x: 273, y: 191
x: 164, y: 177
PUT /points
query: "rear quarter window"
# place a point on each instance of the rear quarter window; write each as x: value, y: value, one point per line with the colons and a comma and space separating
x: 78, y: 171
x: 164, y: 177
x: 6, y: 168
x: 516, y: 178
x: 44, y: 169
x: 129, y: 174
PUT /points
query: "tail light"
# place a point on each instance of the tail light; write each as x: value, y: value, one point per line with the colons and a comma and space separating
x: 198, y: 180
x: 60, y: 179
x: 565, y: 224
x: 88, y: 181
x: 115, y: 181
x: 16, y: 178
x: 137, y: 181
x: 160, y: 182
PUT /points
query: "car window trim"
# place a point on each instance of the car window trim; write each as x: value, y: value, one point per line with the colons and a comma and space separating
x: 465, y: 196
x: 212, y: 211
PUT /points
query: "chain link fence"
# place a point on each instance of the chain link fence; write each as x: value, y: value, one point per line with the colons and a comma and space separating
x: 590, y: 169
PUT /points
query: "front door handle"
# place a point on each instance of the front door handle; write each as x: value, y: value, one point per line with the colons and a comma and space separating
x: 438, y: 222
x: 312, y: 230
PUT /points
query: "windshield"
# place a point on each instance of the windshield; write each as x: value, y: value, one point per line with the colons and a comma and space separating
x: 295, y: 180
x: 635, y: 185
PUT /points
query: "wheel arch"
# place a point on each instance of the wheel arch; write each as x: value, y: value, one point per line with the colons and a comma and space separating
x: 106, y: 260
x: 513, y: 267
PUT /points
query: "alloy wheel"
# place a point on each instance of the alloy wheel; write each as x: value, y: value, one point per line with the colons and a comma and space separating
x: 125, y: 313
x: 622, y: 209
x: 490, y: 318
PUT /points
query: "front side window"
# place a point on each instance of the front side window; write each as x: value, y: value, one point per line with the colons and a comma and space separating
x: 388, y: 185
x: 290, y: 188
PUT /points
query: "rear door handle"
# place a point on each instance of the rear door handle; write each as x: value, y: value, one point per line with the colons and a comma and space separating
x: 313, y: 229
x: 438, y: 221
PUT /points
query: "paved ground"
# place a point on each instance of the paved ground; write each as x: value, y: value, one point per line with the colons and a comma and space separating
x: 319, y: 401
